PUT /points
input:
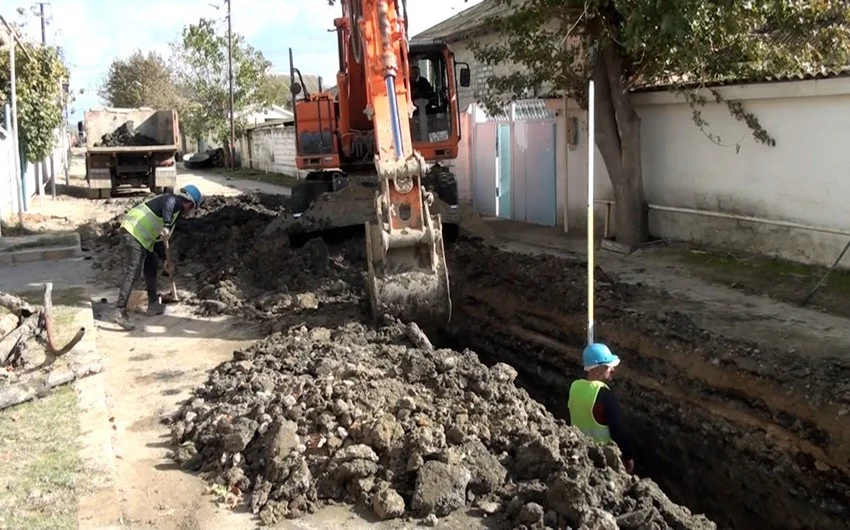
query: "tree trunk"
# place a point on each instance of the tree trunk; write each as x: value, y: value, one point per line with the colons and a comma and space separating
x: 618, y: 140
x: 17, y: 305
x: 11, y: 344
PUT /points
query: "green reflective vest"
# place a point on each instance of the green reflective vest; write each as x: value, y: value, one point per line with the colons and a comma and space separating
x: 145, y: 225
x: 582, y: 398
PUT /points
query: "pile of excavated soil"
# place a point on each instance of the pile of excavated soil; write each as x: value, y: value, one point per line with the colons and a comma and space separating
x: 226, y: 265
x: 377, y: 416
x: 691, y: 397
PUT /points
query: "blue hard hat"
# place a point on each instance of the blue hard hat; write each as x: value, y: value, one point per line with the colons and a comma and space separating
x: 192, y: 193
x: 598, y: 354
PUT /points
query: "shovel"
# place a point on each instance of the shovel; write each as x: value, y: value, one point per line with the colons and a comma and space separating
x: 171, y: 297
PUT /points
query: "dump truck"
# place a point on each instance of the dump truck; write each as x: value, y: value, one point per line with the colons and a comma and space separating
x: 131, y: 148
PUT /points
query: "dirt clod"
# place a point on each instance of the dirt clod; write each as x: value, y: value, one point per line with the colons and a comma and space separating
x: 387, y: 503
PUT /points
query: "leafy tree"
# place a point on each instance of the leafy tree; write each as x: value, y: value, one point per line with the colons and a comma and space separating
x: 276, y: 91
x: 621, y: 44
x: 202, y: 73
x: 140, y: 81
x: 40, y: 96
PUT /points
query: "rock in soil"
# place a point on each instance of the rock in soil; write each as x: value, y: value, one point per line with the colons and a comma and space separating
x: 362, y: 415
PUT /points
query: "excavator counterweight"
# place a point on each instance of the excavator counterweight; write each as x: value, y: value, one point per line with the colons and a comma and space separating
x: 373, y: 150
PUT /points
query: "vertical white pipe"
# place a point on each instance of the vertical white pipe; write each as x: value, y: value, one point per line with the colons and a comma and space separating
x: 591, y: 148
x: 16, y: 146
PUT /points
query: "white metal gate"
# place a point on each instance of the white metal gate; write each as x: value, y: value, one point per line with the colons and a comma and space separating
x: 514, y: 164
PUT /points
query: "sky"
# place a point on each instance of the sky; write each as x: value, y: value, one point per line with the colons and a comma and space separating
x: 94, y: 32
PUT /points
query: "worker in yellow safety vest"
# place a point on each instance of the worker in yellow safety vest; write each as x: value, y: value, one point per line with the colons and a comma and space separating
x: 143, y: 232
x: 593, y: 406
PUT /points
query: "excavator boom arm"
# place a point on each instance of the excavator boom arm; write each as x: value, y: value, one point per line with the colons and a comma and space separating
x: 407, y: 267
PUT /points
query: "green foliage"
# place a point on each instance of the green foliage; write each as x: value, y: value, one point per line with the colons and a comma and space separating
x: 276, y: 90
x: 140, y: 81
x: 202, y: 74
x: 683, y: 44
x: 40, y: 96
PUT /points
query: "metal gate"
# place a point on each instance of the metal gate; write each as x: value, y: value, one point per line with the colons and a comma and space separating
x: 514, y: 165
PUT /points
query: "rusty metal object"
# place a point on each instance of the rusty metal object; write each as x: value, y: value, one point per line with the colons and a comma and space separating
x: 47, y: 314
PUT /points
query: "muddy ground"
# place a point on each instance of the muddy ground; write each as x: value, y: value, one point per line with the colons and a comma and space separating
x: 754, y: 437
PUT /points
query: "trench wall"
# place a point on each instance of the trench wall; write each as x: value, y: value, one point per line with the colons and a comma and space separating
x: 743, y: 448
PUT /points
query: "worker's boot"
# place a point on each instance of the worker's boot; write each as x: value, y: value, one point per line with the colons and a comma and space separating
x: 155, y: 308
x: 121, y: 318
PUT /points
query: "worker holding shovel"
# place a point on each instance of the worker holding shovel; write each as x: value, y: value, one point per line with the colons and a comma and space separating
x: 145, y: 232
x: 593, y: 406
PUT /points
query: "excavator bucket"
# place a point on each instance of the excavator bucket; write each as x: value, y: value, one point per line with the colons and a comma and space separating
x: 408, y: 276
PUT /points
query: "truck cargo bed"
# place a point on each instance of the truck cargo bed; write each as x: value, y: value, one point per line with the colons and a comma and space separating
x: 160, y: 126
x: 132, y: 149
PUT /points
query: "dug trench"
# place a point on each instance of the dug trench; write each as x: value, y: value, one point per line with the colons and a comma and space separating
x: 752, y: 436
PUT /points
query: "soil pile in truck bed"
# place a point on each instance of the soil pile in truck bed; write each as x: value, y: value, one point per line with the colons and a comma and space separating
x: 125, y: 136
x: 376, y: 416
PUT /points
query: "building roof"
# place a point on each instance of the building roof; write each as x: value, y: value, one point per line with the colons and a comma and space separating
x: 462, y: 23
x: 271, y: 124
x: 827, y: 73
x: 311, y: 82
x: 469, y: 20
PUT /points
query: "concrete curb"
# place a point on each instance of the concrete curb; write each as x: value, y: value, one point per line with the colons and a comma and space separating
x: 45, y: 253
x: 100, y: 506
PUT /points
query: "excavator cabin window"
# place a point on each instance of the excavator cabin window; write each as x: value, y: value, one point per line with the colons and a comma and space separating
x: 431, y: 120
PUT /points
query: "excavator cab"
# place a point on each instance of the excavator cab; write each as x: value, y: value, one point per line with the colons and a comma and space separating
x: 435, y: 125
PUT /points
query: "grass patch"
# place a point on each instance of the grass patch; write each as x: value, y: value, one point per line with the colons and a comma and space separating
x: 765, y: 268
x: 40, y: 465
x: 278, y: 179
x: 68, y: 296
x: 17, y: 230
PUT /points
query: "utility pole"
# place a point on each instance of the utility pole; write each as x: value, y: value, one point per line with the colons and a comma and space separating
x: 13, y: 45
x: 230, y: 76
x: 43, y: 24
x: 43, y: 173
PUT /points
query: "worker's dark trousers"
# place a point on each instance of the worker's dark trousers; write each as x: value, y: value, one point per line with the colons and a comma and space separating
x: 136, y: 261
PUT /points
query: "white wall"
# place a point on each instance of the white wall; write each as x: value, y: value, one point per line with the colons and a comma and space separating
x: 804, y: 179
x: 8, y: 192
x: 8, y: 187
x: 272, y: 149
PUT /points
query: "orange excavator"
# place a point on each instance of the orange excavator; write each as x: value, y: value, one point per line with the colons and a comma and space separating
x: 373, y: 150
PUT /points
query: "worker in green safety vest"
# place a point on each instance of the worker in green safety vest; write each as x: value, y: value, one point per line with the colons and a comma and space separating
x: 593, y: 406
x: 143, y: 232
